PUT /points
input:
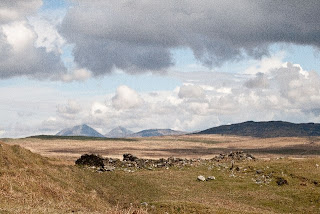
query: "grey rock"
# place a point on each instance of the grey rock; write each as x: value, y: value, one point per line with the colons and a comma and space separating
x: 211, y: 178
x: 129, y: 157
x: 201, y: 178
x: 109, y: 168
x: 144, y: 203
x: 259, y: 171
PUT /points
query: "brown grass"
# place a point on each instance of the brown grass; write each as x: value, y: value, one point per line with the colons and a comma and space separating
x: 33, y: 185
x: 188, y: 146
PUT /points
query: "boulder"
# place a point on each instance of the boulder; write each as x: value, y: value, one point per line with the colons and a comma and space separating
x: 201, y: 178
x: 129, y: 157
x: 90, y: 160
x: 211, y: 178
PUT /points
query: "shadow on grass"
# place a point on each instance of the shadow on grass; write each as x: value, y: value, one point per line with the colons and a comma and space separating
x: 199, y: 151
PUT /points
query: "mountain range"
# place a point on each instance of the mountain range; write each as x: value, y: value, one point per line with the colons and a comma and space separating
x: 266, y: 129
x: 81, y: 130
x: 118, y: 132
x: 249, y: 128
x: 156, y: 132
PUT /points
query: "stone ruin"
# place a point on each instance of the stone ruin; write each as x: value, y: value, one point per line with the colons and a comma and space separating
x: 235, y: 156
x: 130, y: 161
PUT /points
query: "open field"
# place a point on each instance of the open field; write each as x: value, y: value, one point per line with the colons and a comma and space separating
x: 31, y: 183
x: 187, y: 146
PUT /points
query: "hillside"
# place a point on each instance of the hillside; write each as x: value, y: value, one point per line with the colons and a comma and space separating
x: 31, y: 183
x: 156, y: 132
x: 267, y: 129
x: 81, y: 130
x: 119, y: 132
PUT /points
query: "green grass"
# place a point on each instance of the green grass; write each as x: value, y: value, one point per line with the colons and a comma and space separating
x: 30, y: 183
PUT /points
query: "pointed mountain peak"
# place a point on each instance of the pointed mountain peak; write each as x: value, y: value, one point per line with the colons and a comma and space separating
x: 80, y: 130
x: 119, y: 132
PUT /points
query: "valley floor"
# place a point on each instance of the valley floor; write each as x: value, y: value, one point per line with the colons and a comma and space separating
x: 33, y: 183
x: 185, y: 146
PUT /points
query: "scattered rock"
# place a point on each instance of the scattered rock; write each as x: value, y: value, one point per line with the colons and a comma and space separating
x: 144, y: 203
x: 211, y: 178
x: 133, y: 162
x: 258, y: 181
x: 109, y: 168
x: 259, y: 171
x: 129, y: 157
x: 201, y: 178
x: 281, y: 181
x: 236, y: 156
x: 128, y: 170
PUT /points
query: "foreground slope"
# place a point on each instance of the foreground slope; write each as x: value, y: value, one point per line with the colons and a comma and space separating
x: 81, y: 130
x: 267, y: 129
x: 31, y: 183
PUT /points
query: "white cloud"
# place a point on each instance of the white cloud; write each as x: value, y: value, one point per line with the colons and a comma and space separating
x: 45, y: 25
x: 98, y: 109
x: 76, y: 75
x: 191, y: 91
x: 70, y: 110
x: 17, y: 9
x: 19, y: 56
x: 201, y: 100
x: 126, y: 98
x: 19, y: 35
x: 266, y: 64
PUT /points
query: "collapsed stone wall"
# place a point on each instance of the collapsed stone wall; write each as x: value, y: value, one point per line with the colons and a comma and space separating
x: 133, y: 162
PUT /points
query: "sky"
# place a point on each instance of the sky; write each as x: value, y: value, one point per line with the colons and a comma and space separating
x: 183, y: 65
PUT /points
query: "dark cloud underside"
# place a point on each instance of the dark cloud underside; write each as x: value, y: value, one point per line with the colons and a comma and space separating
x: 139, y: 35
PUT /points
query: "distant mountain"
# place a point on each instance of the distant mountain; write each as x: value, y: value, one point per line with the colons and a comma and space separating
x: 82, y: 130
x: 119, y: 132
x: 156, y: 132
x: 267, y: 129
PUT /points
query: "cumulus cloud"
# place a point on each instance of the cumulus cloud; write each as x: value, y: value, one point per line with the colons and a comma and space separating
x: 45, y: 25
x: 191, y: 91
x: 292, y: 94
x: 110, y: 34
x: 126, y: 98
x: 76, y: 75
x: 19, y: 56
x: 12, y: 10
x: 260, y: 81
x: 70, y: 110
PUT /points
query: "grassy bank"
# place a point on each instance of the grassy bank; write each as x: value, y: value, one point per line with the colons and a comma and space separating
x: 30, y: 183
